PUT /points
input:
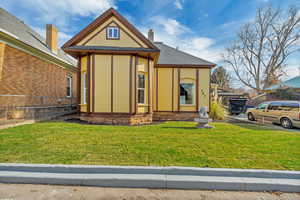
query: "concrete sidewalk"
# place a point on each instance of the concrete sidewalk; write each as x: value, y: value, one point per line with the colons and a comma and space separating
x: 52, y: 192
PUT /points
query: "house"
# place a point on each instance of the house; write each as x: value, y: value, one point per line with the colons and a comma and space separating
x: 285, y: 90
x: 126, y: 78
x: 37, y: 78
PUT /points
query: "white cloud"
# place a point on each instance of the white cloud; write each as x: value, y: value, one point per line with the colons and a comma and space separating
x: 169, y: 25
x: 83, y: 8
x: 178, y: 4
x: 60, y: 12
x: 173, y: 33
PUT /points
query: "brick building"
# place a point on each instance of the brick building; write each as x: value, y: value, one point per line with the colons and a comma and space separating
x: 37, y: 79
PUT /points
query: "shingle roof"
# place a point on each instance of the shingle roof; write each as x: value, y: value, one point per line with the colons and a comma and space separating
x: 15, y: 27
x: 291, y: 83
x: 172, y: 56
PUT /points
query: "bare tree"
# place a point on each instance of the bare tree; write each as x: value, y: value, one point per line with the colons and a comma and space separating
x: 258, y: 56
x: 221, y: 77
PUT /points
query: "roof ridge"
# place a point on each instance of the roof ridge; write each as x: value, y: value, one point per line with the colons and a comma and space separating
x: 102, y: 18
x: 26, y: 34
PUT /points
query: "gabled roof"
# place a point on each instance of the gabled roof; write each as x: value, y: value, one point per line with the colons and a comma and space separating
x: 16, y: 28
x: 171, y: 56
x: 101, y: 19
x: 291, y: 83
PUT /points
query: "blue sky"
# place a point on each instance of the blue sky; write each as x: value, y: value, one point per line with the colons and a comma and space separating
x: 200, y: 27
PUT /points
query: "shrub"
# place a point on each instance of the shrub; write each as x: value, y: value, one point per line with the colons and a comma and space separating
x: 217, y: 111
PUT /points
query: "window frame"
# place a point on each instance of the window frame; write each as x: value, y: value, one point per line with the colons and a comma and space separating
x: 69, y: 84
x: 108, y: 37
x: 84, y: 99
x: 143, y: 89
x: 193, y: 94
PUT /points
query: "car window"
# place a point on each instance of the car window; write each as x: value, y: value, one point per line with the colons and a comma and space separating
x: 290, y: 106
x: 262, y: 106
x: 275, y: 106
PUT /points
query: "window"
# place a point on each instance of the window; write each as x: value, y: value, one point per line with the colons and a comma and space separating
x: 141, y: 88
x: 290, y: 106
x: 69, y: 86
x: 275, y: 106
x: 187, y: 91
x: 84, y: 80
x: 113, y: 32
x: 262, y: 106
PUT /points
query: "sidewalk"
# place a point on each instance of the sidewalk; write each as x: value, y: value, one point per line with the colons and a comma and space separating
x: 25, y: 192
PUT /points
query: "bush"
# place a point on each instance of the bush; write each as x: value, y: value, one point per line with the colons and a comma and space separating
x: 217, y: 112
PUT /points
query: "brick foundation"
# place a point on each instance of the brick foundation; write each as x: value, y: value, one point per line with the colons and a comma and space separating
x: 117, y: 119
x: 175, y: 116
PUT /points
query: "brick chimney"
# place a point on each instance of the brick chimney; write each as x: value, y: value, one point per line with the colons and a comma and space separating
x: 51, y: 37
x: 151, y: 35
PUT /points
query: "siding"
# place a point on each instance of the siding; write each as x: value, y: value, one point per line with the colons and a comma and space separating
x: 36, y: 81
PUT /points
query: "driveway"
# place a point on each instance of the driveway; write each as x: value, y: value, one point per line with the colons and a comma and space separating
x: 242, y: 118
x: 32, y: 192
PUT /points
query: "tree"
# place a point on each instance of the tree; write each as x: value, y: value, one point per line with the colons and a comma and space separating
x: 258, y: 56
x: 221, y: 77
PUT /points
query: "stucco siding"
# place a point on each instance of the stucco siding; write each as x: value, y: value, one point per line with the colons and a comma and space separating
x: 102, y: 83
x: 204, y: 86
x: 164, y: 89
x: 98, y: 36
x: 121, y: 84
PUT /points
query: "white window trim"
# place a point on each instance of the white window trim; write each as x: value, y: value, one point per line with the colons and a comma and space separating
x: 70, y: 78
x: 144, y: 89
x: 113, y: 28
x: 84, y: 100
x: 194, y: 95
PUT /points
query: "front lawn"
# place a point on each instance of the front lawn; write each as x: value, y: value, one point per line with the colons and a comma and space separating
x: 165, y: 144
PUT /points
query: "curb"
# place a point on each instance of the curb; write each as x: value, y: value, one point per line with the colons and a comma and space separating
x: 152, y: 177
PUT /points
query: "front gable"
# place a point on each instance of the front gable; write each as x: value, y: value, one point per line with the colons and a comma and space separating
x: 95, y: 34
x: 98, y: 37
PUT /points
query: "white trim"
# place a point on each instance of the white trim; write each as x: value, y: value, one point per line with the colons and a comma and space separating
x: 113, y: 28
x: 194, y: 94
x: 144, y: 89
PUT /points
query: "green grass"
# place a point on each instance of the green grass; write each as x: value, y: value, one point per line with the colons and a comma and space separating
x: 165, y: 144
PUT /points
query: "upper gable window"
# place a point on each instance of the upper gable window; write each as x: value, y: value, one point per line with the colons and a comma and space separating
x: 113, y: 32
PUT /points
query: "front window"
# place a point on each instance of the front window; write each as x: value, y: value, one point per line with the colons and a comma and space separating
x: 187, y: 91
x: 113, y: 32
x: 141, y: 88
x: 69, y: 86
x: 84, y: 80
x: 262, y: 106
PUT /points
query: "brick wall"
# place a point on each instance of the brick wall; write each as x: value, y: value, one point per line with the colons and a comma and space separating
x: 33, y: 81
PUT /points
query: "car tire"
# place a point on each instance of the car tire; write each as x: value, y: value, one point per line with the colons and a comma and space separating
x: 251, y: 117
x: 286, y: 123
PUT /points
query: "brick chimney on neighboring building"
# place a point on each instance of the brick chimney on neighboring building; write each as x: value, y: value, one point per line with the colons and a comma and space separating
x: 151, y: 35
x: 51, y: 37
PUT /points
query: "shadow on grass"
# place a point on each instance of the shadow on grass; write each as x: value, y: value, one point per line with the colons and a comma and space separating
x: 256, y: 127
x: 180, y: 127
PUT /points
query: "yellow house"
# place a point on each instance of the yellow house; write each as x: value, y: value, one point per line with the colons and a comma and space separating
x: 126, y: 78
